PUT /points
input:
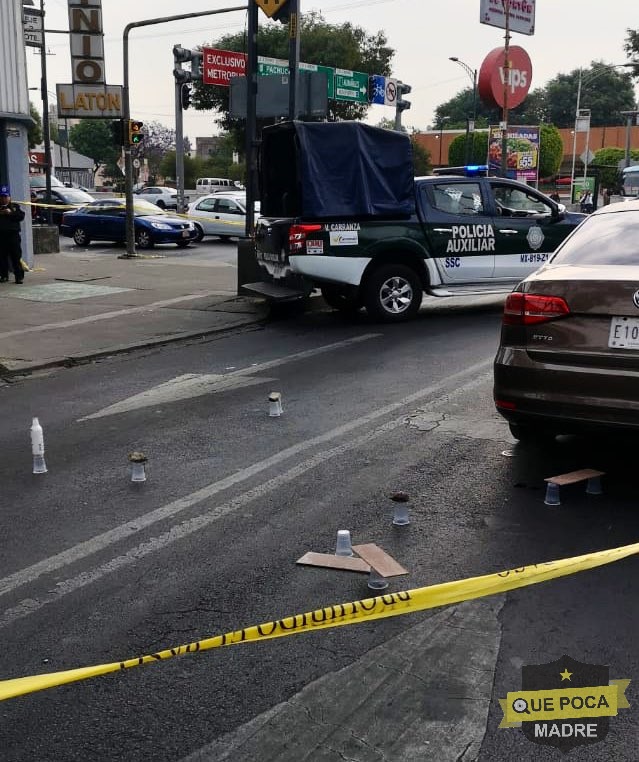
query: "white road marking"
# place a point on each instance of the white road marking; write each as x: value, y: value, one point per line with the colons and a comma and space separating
x: 456, y: 384
x: 114, y: 313
x: 181, y: 388
x: 194, y: 385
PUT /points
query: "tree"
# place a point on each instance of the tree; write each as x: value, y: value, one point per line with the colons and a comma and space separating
x: 478, y: 152
x: 631, y: 46
x: 343, y: 46
x: 35, y: 131
x: 606, y: 91
x: 93, y: 138
x: 551, y: 150
x: 158, y: 140
x: 607, y: 162
x: 460, y: 108
x: 422, y: 164
x: 193, y: 168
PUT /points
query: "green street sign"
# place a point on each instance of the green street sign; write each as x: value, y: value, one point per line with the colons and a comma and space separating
x: 351, y: 86
x: 330, y: 75
x: 279, y: 66
x: 267, y: 66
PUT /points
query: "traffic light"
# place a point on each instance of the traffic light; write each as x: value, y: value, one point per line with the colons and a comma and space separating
x: 282, y: 14
x: 402, y: 90
x: 117, y: 132
x: 185, y: 96
x: 184, y: 55
x: 136, y: 136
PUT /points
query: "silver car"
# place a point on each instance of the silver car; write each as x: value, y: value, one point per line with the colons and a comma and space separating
x: 220, y: 214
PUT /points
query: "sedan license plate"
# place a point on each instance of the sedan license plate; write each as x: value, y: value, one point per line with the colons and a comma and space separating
x: 185, y: 234
x: 624, y: 333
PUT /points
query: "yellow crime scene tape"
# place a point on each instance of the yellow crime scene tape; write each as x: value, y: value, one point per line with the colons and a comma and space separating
x: 366, y: 610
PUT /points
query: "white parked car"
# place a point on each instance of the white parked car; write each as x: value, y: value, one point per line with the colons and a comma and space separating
x: 165, y: 198
x: 220, y: 214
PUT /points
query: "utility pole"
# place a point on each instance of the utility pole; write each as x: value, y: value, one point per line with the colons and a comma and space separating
x: 293, y: 56
x: 46, y: 127
x: 251, y: 123
x: 504, y: 118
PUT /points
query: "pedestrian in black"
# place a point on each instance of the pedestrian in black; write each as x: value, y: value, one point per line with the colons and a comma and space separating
x: 10, y: 250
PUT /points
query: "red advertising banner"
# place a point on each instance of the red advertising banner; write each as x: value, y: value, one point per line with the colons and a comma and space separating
x: 220, y: 66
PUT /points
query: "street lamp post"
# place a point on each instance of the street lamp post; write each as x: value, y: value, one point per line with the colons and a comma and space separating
x: 472, y: 73
x: 441, y: 136
x: 581, y: 81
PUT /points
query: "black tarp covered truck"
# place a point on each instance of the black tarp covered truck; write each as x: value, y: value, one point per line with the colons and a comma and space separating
x: 341, y: 211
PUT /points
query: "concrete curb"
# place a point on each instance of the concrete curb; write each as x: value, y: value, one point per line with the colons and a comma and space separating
x: 21, y: 369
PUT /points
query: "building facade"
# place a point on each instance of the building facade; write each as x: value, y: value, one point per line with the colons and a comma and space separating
x: 15, y: 119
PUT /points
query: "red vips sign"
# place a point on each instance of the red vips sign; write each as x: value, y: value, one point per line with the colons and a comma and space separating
x: 493, y: 75
x: 220, y: 66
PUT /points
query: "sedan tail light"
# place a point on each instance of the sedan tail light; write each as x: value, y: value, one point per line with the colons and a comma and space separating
x: 530, y: 309
x: 297, y: 236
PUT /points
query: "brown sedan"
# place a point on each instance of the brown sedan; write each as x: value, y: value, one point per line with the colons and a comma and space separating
x: 568, y: 359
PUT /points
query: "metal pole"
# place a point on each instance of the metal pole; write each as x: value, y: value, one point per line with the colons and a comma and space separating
x: 629, y: 117
x: 45, y: 121
x: 574, y: 143
x: 251, y: 123
x: 504, y: 134
x: 293, y: 56
x: 179, y: 143
x: 126, y: 108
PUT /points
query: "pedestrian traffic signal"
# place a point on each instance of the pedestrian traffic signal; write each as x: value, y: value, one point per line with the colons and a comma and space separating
x: 184, y: 55
x: 402, y: 90
x: 117, y: 132
x: 136, y: 136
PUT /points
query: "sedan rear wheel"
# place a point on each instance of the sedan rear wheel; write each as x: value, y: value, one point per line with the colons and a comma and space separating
x: 161, y: 204
x: 143, y: 239
x: 80, y: 237
x: 530, y: 434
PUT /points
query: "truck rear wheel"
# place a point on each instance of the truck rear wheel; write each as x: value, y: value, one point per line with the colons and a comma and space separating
x: 341, y: 298
x: 393, y: 293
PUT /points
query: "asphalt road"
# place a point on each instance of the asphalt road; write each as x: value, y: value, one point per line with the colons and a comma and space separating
x: 95, y: 569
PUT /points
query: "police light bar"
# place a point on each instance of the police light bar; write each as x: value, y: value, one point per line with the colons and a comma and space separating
x: 476, y: 169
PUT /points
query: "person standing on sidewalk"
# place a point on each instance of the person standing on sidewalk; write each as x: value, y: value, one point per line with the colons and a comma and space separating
x: 10, y: 249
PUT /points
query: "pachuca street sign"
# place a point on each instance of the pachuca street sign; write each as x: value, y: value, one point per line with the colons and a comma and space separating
x: 351, y: 86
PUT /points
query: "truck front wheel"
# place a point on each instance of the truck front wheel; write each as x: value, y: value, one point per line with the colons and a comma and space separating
x: 393, y: 293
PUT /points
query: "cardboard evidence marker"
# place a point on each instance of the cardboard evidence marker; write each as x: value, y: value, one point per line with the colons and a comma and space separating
x: 329, y: 561
x: 572, y: 477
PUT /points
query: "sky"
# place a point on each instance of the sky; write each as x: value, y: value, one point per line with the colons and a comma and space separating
x: 569, y: 34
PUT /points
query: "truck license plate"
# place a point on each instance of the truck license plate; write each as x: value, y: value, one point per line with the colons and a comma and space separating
x: 624, y: 333
x: 270, y: 256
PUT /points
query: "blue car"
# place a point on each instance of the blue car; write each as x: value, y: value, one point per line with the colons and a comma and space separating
x: 105, y: 220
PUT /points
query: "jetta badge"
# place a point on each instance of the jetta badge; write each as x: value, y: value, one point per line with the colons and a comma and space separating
x: 635, y: 299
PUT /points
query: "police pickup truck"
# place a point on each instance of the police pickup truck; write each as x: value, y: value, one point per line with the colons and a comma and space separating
x: 342, y: 212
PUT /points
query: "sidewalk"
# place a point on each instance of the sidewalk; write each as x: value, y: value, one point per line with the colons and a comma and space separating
x: 85, y: 303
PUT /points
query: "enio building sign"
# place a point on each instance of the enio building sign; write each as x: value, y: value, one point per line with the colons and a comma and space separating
x: 219, y: 66
x: 87, y: 43
x: 495, y: 79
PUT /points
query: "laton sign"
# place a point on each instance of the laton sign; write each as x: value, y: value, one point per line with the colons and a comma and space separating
x: 496, y: 79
